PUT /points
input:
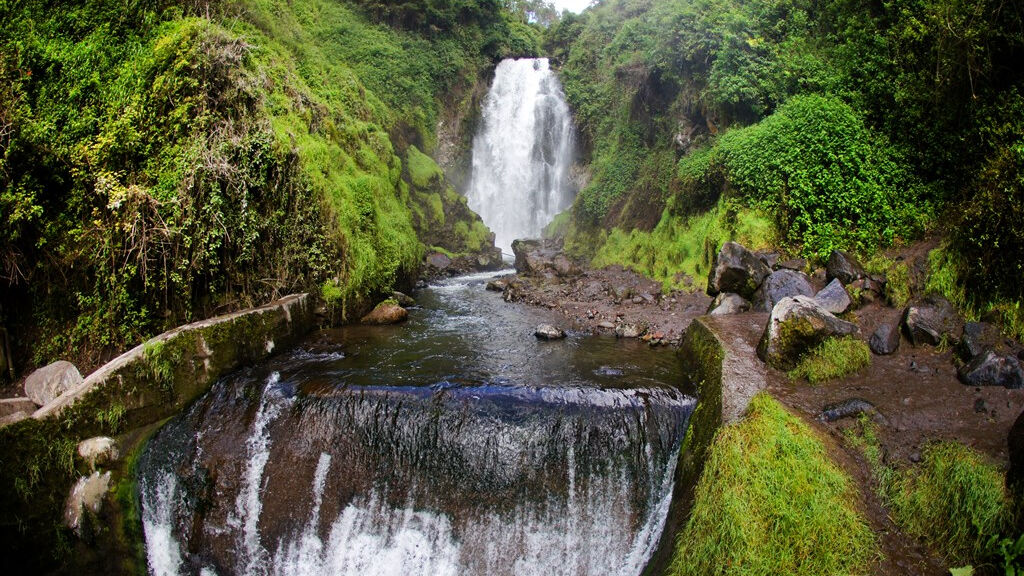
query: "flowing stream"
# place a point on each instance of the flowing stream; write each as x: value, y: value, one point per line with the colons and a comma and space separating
x: 454, y: 444
x: 522, y: 153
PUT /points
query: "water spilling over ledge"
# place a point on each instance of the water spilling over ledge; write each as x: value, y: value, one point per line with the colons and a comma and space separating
x: 341, y: 457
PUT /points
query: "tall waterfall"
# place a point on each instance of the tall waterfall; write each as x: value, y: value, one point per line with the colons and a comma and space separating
x: 522, y: 153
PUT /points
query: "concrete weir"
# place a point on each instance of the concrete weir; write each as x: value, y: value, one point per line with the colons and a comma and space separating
x: 159, y: 377
x: 725, y: 371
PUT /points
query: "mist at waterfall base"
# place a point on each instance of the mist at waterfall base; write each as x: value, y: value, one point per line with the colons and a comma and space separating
x: 522, y: 152
x: 454, y: 444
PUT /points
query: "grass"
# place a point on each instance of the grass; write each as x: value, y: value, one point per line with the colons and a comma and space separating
x: 771, y: 502
x: 685, y: 247
x: 955, y: 500
x: 898, y: 289
x: 834, y: 358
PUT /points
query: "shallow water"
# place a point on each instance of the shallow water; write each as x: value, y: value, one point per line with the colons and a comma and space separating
x: 455, y: 443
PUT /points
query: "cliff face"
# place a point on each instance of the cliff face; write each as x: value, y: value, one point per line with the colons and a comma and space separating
x: 163, y: 164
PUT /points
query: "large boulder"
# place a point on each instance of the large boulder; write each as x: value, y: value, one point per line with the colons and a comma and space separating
x: 778, y: 285
x: 728, y: 303
x: 541, y: 257
x: 980, y: 336
x: 439, y: 261
x: 738, y: 270
x: 834, y: 297
x: 387, y: 312
x: 885, y: 340
x: 992, y: 369
x: 49, y: 382
x: 843, y: 266
x: 797, y: 325
x: 929, y: 321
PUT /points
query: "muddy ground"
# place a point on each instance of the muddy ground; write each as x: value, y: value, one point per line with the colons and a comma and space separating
x: 915, y: 390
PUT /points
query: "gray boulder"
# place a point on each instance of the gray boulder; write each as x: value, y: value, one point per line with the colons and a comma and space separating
x: 778, y: 285
x: 728, y: 303
x: 980, y: 336
x: 439, y: 261
x: 834, y: 297
x: 797, y: 264
x: 992, y: 369
x: 49, y: 382
x: 843, y: 266
x: 736, y: 269
x: 929, y: 321
x: 797, y: 325
x: 885, y: 340
x: 548, y: 332
x: 403, y: 299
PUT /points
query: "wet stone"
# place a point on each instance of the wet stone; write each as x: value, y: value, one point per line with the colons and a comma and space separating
x: 992, y: 369
x: 885, y: 340
x: 548, y: 332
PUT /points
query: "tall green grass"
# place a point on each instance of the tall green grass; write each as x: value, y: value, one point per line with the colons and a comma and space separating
x: 771, y: 502
x: 834, y: 358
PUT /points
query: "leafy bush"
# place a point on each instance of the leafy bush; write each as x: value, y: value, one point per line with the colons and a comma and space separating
x: 834, y: 358
x: 831, y: 181
x: 771, y: 502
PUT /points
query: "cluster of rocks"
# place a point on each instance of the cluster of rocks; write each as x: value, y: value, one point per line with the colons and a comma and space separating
x: 802, y: 317
x: 437, y: 265
x: 542, y: 258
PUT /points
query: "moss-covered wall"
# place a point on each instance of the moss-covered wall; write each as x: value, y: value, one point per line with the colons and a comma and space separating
x: 127, y: 398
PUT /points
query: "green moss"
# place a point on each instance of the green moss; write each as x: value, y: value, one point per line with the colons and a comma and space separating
x: 833, y: 359
x: 954, y: 499
x: 559, y: 225
x: 677, y: 248
x: 423, y: 171
x: 898, y: 289
x: 771, y: 502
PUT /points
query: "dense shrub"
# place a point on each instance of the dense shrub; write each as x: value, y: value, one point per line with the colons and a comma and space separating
x: 831, y: 181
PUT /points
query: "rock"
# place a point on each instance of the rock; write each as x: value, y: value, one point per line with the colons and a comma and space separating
x: 607, y: 371
x: 548, y: 332
x: 796, y: 325
x: 980, y: 407
x: 736, y: 269
x: 10, y: 406
x: 846, y: 409
x: 403, y: 300
x: 497, y: 285
x: 439, y: 261
x: 992, y: 369
x: 843, y: 266
x: 834, y: 297
x: 98, y: 451
x: 606, y: 325
x: 770, y: 259
x: 978, y: 337
x: 521, y: 248
x: 621, y: 292
x: 387, y: 312
x: 15, y: 417
x: 629, y: 330
x: 49, y: 382
x: 929, y: 321
x: 795, y: 264
x: 778, y: 285
x: 86, y: 497
x: 728, y: 303
x: 563, y: 266
x: 885, y: 340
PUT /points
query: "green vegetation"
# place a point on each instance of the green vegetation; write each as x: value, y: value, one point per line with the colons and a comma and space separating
x: 834, y: 358
x: 898, y: 288
x: 771, y: 502
x: 159, y: 165
x: 853, y: 125
x: 955, y: 500
x: 678, y: 248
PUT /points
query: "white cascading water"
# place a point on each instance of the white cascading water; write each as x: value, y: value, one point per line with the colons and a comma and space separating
x: 522, y: 153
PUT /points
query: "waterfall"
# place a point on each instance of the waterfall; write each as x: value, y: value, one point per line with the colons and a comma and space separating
x: 522, y: 152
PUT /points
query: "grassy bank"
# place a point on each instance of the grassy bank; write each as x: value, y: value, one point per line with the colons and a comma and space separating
x: 771, y: 502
